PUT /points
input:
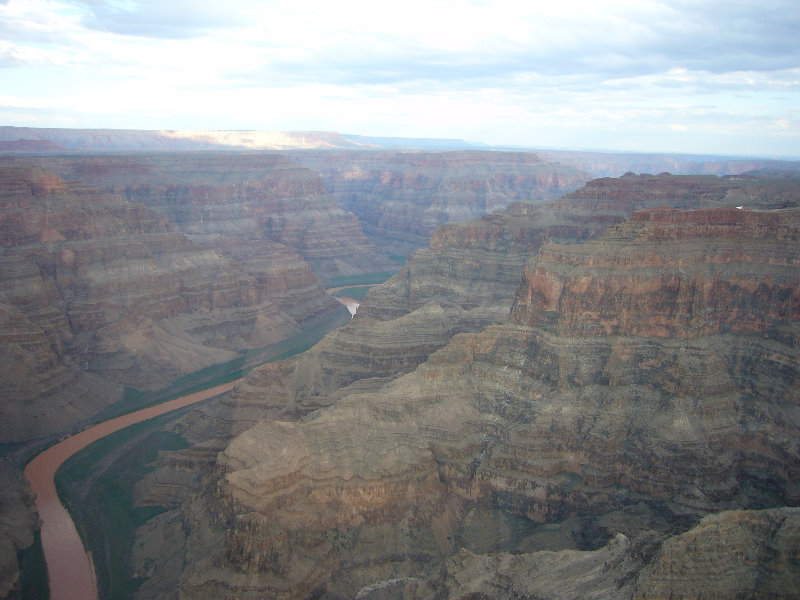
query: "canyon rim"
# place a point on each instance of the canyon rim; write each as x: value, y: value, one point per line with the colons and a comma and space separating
x: 561, y: 385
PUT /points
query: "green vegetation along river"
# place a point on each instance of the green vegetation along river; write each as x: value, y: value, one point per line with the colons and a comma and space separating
x: 69, y: 567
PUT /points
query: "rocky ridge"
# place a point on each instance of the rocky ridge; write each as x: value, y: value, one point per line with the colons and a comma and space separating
x: 99, y: 292
x: 530, y: 420
x: 616, y: 164
x: 248, y: 203
x: 18, y: 521
x: 400, y: 198
x: 478, y: 263
x: 498, y: 430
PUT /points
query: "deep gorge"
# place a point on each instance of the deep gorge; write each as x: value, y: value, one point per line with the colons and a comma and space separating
x: 551, y: 400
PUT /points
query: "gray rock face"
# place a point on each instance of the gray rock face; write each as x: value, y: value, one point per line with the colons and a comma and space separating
x: 400, y: 198
x: 99, y: 292
x: 603, y: 574
x: 18, y: 521
x: 613, y: 407
x: 735, y: 554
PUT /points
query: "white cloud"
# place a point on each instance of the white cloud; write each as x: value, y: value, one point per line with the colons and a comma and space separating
x: 571, y: 73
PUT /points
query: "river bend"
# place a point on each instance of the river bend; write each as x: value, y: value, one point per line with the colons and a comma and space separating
x: 69, y: 567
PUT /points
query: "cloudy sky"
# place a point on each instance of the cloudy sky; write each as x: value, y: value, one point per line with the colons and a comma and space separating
x: 645, y: 75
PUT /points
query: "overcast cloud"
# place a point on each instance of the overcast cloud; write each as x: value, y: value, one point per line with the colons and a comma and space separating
x: 675, y: 76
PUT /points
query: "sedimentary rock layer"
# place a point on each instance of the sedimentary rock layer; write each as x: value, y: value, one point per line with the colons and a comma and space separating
x: 551, y: 416
x: 99, y: 292
x: 734, y: 554
x: 235, y: 200
x: 477, y: 263
x: 400, y: 198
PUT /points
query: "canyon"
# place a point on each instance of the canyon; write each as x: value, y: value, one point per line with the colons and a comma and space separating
x: 400, y: 198
x: 100, y: 293
x: 122, y: 273
x: 588, y: 413
x: 555, y: 399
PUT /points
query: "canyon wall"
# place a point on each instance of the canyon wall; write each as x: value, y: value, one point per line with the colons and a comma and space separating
x: 617, y: 391
x: 401, y: 197
x: 566, y: 382
x: 240, y: 203
x: 101, y: 293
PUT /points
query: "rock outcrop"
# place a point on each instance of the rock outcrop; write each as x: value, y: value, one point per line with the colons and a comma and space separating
x: 478, y: 263
x: 100, y: 293
x: 243, y: 203
x: 605, y: 573
x: 620, y: 398
x: 734, y: 554
x: 18, y: 521
x: 400, y: 198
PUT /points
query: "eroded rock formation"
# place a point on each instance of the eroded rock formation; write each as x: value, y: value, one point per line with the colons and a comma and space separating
x: 99, y: 292
x: 18, y: 521
x: 644, y: 379
x: 401, y: 197
x: 238, y: 202
x: 734, y: 554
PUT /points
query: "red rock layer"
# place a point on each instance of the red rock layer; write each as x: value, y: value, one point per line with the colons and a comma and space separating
x: 670, y: 273
x: 556, y: 415
x: 98, y: 292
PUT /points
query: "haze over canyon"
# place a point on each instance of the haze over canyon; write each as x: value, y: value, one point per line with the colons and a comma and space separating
x: 575, y: 374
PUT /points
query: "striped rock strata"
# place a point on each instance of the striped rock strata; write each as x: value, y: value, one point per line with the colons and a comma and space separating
x: 400, y: 198
x: 636, y: 419
x: 98, y: 292
x: 247, y: 202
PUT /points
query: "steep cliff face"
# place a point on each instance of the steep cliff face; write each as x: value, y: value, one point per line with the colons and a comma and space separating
x: 18, y: 521
x: 232, y: 200
x: 478, y: 263
x: 400, y: 198
x: 676, y: 275
x: 733, y: 554
x: 633, y: 407
x: 753, y: 554
x: 635, y: 192
x: 99, y: 292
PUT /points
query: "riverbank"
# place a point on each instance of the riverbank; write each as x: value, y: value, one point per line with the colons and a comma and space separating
x: 69, y: 567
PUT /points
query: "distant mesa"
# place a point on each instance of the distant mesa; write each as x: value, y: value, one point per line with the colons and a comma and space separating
x: 599, y: 164
x: 28, y: 146
x: 31, y: 139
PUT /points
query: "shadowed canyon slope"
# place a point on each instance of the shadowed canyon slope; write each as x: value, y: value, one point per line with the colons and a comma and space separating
x: 645, y: 377
x: 401, y: 197
x: 237, y: 203
x: 99, y: 292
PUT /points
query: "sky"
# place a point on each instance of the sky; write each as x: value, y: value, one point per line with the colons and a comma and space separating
x: 689, y: 76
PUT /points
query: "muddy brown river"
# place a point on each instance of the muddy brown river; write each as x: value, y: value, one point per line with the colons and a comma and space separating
x: 69, y: 567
